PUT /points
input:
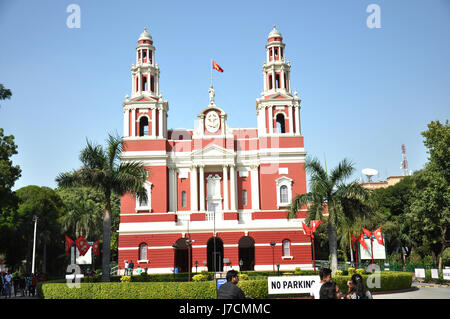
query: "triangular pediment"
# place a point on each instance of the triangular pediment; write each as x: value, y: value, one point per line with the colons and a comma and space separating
x: 212, y: 151
x: 278, y: 96
x: 144, y: 98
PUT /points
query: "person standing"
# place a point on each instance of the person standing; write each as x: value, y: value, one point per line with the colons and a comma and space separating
x: 125, y: 270
x: 325, y: 276
x: 130, y: 267
x: 7, y: 282
x: 230, y: 290
x: 356, y: 289
x: 330, y: 290
x: 16, y: 281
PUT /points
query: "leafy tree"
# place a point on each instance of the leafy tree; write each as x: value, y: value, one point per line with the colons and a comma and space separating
x: 4, y: 93
x: 101, y: 169
x: 329, y: 191
x: 9, y: 173
x: 44, y: 203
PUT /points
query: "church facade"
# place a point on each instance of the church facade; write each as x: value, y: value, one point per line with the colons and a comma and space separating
x: 218, y: 196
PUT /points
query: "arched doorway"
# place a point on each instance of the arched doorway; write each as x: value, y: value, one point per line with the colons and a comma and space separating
x: 247, y: 253
x: 182, y: 261
x: 215, y: 254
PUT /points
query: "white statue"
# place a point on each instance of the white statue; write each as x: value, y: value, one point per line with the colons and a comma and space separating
x: 211, y: 95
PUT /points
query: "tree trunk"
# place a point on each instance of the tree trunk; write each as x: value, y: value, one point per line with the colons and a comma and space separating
x: 332, y: 242
x: 106, y: 247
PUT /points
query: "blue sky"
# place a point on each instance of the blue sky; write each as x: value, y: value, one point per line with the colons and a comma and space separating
x: 364, y: 92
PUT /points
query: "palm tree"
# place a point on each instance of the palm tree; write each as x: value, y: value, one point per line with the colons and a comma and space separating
x: 101, y: 169
x: 330, y: 192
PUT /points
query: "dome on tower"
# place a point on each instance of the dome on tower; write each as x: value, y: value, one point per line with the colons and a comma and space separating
x: 274, y: 33
x: 145, y: 35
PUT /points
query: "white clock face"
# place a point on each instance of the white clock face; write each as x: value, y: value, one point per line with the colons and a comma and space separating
x: 212, y: 122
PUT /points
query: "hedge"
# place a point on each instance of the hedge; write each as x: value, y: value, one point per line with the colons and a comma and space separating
x: 192, y: 290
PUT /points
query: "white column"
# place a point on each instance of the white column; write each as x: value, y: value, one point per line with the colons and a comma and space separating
x: 232, y: 188
x: 273, y: 78
x: 291, y: 115
x: 171, y: 186
x: 282, y: 74
x: 139, y: 83
x: 297, y: 120
x: 133, y: 84
x: 255, y: 187
x: 225, y: 187
x: 133, y: 122
x: 126, y: 123
x: 263, y: 110
x: 154, y: 122
x: 194, y: 197
x: 270, y: 120
x: 160, y: 111
x: 202, y: 188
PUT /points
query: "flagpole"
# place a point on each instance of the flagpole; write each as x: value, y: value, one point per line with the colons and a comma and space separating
x: 211, y: 73
x: 371, y: 250
x: 314, y: 253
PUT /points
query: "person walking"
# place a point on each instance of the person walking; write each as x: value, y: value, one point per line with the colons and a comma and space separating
x: 230, y: 290
x: 16, y: 281
x: 356, y: 289
x: 130, y: 267
x: 7, y: 282
x: 325, y: 276
x: 33, y: 284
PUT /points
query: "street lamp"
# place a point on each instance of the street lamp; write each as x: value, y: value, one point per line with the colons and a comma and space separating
x: 196, y: 265
x: 35, y: 219
x: 175, y: 246
x: 241, y: 263
x: 272, y: 243
x: 189, y: 244
x: 278, y: 269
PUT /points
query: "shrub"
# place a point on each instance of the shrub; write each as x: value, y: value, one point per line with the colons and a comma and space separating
x: 338, y: 273
x: 200, y: 277
x: 389, y: 281
x: 360, y: 271
x: 286, y: 274
x: 125, y: 279
x: 243, y: 277
x: 351, y: 271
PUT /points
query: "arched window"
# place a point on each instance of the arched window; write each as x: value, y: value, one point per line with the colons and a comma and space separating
x: 183, y: 199
x: 284, y: 199
x: 143, y: 126
x: 143, y: 251
x: 280, y: 123
x: 286, y: 248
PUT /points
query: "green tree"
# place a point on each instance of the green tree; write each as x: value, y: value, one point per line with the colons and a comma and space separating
x: 101, y: 169
x: 330, y: 192
x: 4, y: 93
x: 44, y: 203
x: 9, y: 173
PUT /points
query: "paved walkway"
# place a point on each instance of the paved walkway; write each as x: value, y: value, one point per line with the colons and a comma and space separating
x: 421, y: 291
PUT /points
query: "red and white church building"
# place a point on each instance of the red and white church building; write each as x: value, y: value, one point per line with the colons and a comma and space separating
x: 218, y: 196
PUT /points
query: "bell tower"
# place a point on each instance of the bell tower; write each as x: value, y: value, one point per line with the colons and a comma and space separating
x: 145, y: 113
x: 278, y: 110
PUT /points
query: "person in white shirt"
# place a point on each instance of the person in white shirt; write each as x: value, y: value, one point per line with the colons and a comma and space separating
x: 325, y: 276
x: 126, y: 268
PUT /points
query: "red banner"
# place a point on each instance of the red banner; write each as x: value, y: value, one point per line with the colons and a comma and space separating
x: 96, y: 248
x: 362, y: 241
x: 69, y: 243
x: 216, y: 67
x: 83, y: 245
x: 379, y: 236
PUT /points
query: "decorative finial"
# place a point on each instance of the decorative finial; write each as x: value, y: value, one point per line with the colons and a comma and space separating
x: 145, y: 28
x: 296, y: 93
x: 211, y: 95
x: 274, y: 26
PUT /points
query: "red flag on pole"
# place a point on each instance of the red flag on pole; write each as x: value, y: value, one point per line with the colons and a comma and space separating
x: 69, y: 243
x: 379, y: 236
x: 83, y: 245
x: 96, y: 248
x: 216, y: 66
x: 368, y: 233
x: 362, y: 241
x: 314, y: 224
x: 306, y: 229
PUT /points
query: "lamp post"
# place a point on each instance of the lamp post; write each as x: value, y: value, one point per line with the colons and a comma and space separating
x: 175, y: 246
x: 278, y: 269
x: 189, y: 244
x: 272, y: 243
x: 35, y: 219
x: 196, y: 265
x: 241, y: 263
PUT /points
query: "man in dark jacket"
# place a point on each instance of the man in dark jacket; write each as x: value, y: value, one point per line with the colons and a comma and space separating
x: 229, y: 290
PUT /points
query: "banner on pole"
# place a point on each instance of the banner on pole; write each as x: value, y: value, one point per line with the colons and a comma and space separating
x: 379, y: 251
